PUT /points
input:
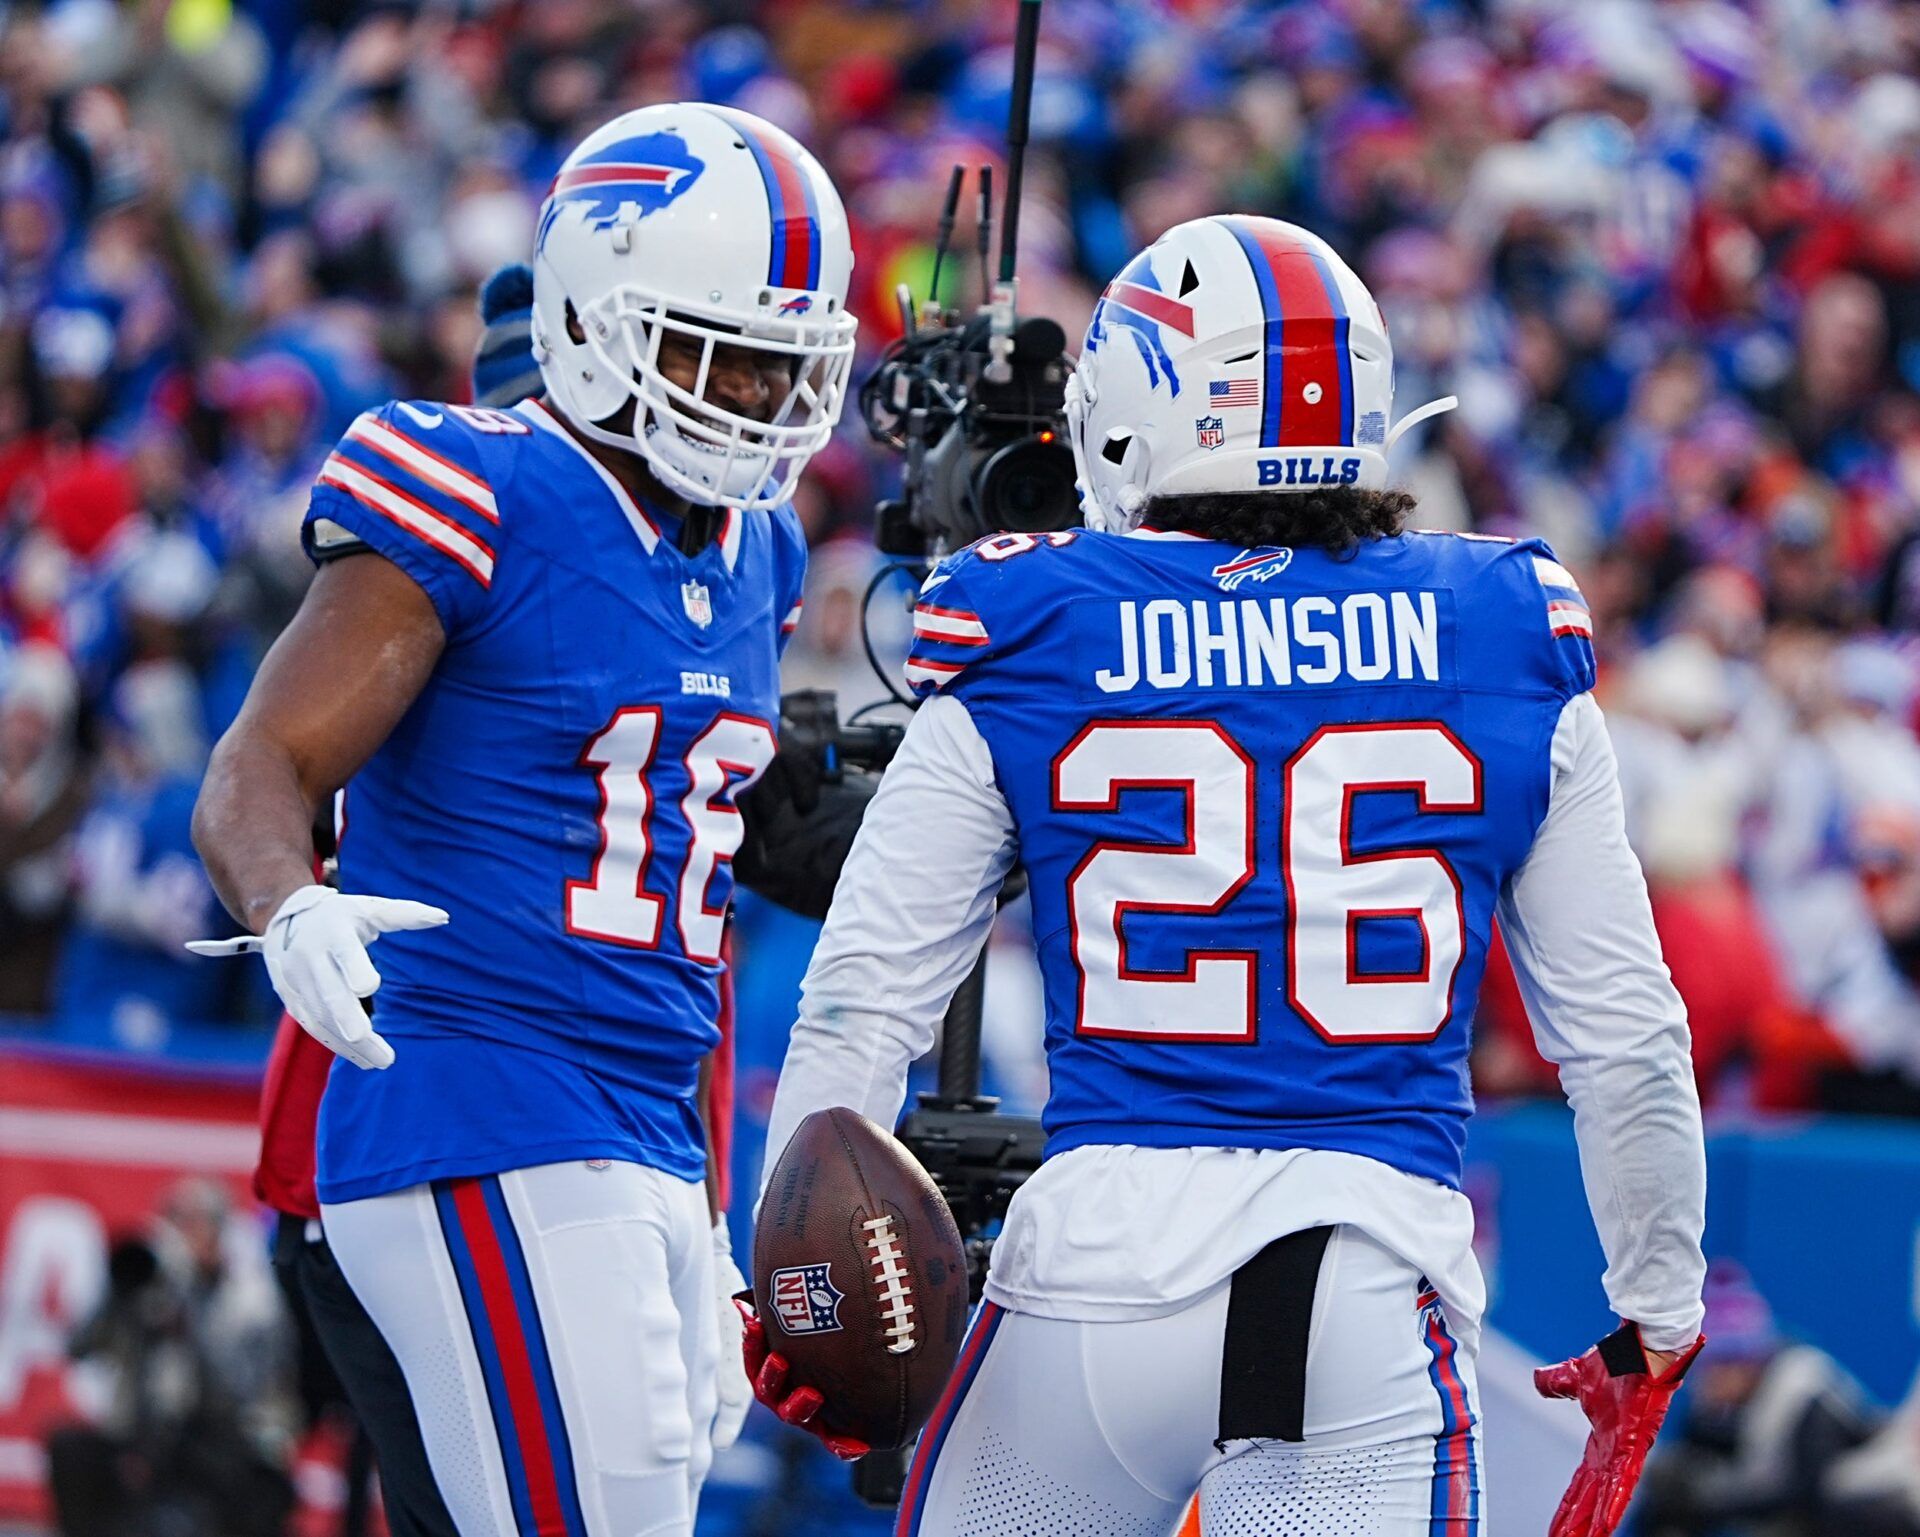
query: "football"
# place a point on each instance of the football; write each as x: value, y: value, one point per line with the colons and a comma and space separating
x: 860, y: 1277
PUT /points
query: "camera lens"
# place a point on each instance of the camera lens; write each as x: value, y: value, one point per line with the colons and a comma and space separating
x: 1027, y: 488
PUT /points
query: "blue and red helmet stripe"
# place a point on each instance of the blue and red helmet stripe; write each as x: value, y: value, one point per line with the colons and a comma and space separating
x: 794, y: 261
x: 1306, y: 339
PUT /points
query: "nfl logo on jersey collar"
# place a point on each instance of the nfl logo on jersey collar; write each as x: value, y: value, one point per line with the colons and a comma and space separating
x: 697, y: 601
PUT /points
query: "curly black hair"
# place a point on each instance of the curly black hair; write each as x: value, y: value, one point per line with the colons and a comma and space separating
x: 1336, y: 519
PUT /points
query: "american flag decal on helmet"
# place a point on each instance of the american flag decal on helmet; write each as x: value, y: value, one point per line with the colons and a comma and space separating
x: 1566, y: 609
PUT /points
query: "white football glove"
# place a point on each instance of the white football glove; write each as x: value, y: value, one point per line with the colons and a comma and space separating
x: 736, y: 1393
x: 316, y: 952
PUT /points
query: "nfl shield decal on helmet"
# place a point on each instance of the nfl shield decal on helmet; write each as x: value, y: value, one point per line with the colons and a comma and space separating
x: 1210, y: 432
x: 698, y: 602
x: 806, y: 1301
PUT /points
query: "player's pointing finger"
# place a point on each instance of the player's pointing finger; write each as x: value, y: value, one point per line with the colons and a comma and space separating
x: 390, y: 913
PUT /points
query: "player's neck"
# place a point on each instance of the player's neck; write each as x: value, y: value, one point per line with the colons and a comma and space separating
x: 692, y: 526
x: 636, y: 479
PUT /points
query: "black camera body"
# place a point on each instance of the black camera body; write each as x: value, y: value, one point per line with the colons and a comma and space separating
x: 978, y: 407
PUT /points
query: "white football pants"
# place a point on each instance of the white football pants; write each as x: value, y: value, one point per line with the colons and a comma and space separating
x: 557, y: 1328
x: 1319, y: 1393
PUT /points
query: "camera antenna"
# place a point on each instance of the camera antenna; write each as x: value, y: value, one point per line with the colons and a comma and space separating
x: 983, y: 231
x: 1000, y: 309
x: 1026, y: 44
x: 947, y: 212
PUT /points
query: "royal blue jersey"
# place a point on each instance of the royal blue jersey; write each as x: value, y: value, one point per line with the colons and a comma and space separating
x: 563, y: 787
x: 1266, y: 800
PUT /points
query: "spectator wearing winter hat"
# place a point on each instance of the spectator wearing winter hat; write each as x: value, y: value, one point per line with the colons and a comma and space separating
x: 1763, y: 1420
x: 139, y: 889
x: 504, y: 370
x: 43, y: 791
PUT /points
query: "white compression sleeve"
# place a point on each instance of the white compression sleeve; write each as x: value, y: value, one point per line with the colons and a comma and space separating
x: 911, y: 910
x: 1580, y: 931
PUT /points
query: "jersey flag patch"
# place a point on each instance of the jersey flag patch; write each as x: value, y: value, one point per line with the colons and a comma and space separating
x: 1566, y: 609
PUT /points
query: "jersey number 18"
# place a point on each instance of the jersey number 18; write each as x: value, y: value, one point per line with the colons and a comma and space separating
x: 613, y: 903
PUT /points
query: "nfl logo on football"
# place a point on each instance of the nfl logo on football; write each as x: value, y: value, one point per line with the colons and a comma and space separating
x: 1210, y: 432
x: 806, y: 1301
x: 698, y: 602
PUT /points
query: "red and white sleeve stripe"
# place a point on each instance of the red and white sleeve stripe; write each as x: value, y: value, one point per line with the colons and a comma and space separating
x: 421, y: 462
x: 921, y: 671
x: 792, y: 621
x: 415, y: 516
x: 947, y: 626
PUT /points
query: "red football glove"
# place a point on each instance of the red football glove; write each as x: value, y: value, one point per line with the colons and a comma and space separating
x: 1625, y: 1403
x: 800, y: 1408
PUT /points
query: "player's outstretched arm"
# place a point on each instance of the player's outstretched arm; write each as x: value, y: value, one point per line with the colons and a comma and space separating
x: 334, y: 685
x: 1587, y: 958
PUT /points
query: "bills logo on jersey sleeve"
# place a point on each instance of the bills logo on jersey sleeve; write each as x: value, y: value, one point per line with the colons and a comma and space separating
x: 806, y: 1301
x: 624, y: 182
x: 1566, y: 609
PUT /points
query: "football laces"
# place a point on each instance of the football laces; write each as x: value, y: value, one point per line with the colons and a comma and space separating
x: 891, y: 1281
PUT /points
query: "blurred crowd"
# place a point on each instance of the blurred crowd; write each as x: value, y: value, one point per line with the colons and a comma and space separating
x: 1667, y: 254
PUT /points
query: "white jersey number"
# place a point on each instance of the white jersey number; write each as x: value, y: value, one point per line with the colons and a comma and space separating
x: 1213, y: 999
x: 1331, y: 891
x: 614, y: 903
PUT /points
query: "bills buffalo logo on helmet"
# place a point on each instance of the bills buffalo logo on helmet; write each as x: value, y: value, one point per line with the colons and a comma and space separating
x: 1252, y: 566
x: 806, y: 1301
x: 799, y: 304
x: 624, y: 182
x: 1133, y: 303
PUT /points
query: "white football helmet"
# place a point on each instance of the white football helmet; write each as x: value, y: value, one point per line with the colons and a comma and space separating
x: 1233, y: 354
x: 715, y: 225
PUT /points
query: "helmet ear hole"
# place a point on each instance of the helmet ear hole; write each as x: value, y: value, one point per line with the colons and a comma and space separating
x: 1114, y: 450
x: 575, y: 333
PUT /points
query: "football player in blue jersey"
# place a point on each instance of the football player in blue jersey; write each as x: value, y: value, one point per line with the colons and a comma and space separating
x: 541, y: 654
x: 1273, y: 764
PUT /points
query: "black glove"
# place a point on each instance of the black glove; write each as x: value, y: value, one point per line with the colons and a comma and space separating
x: 800, y: 823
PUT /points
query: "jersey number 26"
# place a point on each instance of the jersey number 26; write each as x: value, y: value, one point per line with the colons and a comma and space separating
x: 1330, y: 890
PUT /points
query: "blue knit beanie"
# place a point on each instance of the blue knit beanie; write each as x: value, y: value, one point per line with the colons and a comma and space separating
x: 504, y: 372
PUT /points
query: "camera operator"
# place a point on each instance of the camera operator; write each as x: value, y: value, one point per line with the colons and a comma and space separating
x: 190, y: 1350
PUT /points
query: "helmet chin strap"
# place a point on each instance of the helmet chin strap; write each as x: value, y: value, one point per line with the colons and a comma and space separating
x: 1413, y: 419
